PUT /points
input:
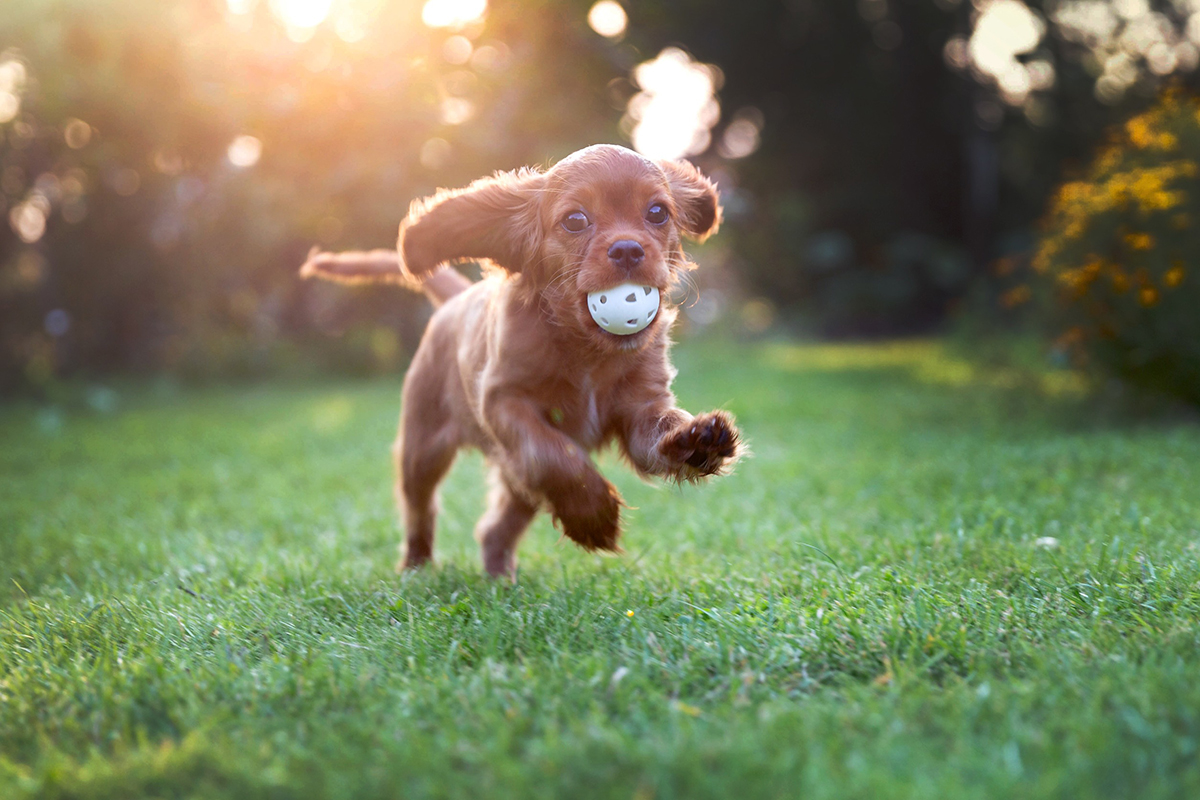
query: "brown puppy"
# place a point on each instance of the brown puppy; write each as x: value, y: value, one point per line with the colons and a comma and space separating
x: 515, y: 366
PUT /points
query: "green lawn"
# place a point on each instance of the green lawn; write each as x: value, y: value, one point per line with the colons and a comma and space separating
x: 197, y: 600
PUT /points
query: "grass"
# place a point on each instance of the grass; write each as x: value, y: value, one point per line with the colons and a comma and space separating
x: 197, y: 600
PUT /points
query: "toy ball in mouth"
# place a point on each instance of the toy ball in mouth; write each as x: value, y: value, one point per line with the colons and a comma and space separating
x: 624, y: 309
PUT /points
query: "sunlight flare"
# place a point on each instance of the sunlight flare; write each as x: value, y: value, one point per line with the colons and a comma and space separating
x: 452, y: 13
x: 1006, y: 29
x: 676, y: 108
x: 301, y: 13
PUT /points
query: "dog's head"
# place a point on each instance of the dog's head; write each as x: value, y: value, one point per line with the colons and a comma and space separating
x: 600, y: 217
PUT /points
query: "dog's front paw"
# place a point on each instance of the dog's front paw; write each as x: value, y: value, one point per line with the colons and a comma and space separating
x: 590, y: 514
x: 705, y: 445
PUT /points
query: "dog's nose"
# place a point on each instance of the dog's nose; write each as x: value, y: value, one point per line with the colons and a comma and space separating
x: 626, y: 254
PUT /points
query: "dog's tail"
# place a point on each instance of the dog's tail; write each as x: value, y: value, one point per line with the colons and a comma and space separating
x: 382, y: 266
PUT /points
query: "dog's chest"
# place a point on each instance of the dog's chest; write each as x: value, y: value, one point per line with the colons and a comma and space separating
x: 579, y: 413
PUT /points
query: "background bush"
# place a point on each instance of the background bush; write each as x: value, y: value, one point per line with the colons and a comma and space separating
x: 1120, y: 252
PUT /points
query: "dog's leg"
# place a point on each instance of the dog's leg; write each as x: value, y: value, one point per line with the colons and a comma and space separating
x: 545, y: 463
x: 669, y: 442
x: 424, y: 451
x: 422, y: 460
x: 501, y: 527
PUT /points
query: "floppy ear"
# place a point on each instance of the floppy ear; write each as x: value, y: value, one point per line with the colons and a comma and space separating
x: 696, y: 201
x: 494, y: 218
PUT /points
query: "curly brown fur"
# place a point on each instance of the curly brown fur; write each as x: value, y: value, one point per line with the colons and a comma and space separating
x: 515, y: 366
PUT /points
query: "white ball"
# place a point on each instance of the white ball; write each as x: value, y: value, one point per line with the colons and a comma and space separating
x: 624, y: 309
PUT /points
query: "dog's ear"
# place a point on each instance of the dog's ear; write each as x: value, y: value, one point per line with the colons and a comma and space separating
x: 494, y: 218
x: 698, y: 212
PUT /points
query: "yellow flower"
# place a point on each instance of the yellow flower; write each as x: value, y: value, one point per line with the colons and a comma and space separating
x: 1174, y: 275
x: 1139, y: 132
x: 1120, y: 280
x: 1109, y: 158
x: 1148, y: 296
x: 1163, y: 201
x: 1072, y: 192
x: 1078, y: 280
x: 1139, y: 241
x: 629, y: 613
x: 1041, y: 261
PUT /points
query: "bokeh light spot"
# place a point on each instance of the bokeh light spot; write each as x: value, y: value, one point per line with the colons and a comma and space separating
x: 457, y: 110
x: 28, y: 221
x: 12, y: 78
x: 125, y: 182
x: 490, y: 57
x: 452, y: 13
x: 12, y: 75
x: 436, y: 153
x: 77, y: 133
x: 676, y: 107
x: 10, y: 106
x: 457, y: 49
x: 741, y: 136
x: 244, y: 151
x: 57, y: 322
x: 608, y: 19
x: 301, y: 13
x: 350, y: 25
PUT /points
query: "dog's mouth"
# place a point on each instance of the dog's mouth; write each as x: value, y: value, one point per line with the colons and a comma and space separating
x: 625, y: 309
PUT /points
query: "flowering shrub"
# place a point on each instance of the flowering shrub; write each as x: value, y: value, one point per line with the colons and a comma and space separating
x: 1120, y: 251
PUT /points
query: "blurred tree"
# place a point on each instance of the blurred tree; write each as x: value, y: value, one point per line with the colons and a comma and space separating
x: 907, y: 144
x: 165, y: 166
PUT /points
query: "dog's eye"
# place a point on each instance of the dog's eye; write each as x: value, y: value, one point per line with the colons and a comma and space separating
x: 576, y: 221
x: 656, y: 214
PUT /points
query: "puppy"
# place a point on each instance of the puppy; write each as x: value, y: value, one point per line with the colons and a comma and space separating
x: 516, y: 366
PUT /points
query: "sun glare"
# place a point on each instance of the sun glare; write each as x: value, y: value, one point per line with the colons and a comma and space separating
x: 1006, y: 29
x: 608, y: 19
x: 350, y: 24
x: 675, y: 110
x: 301, y: 13
x: 452, y: 13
